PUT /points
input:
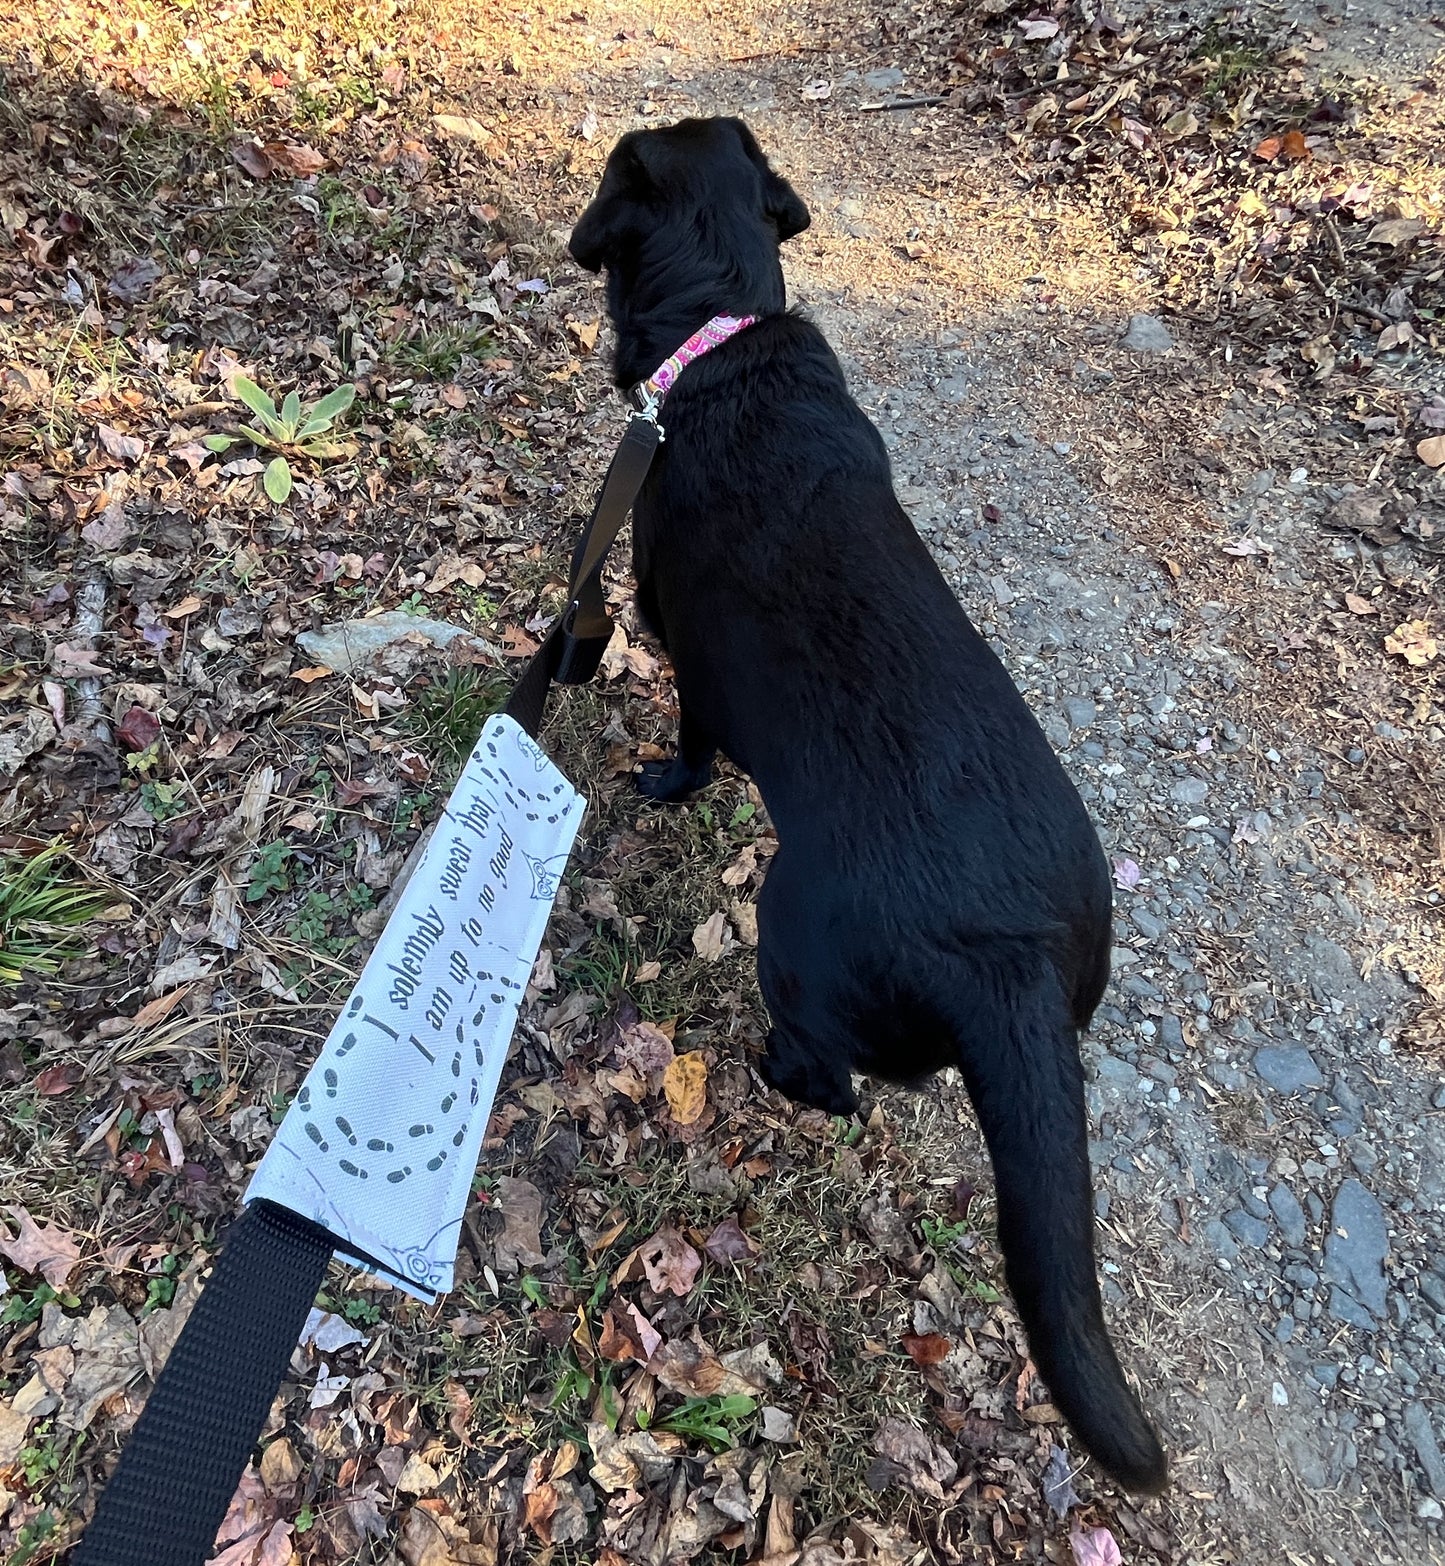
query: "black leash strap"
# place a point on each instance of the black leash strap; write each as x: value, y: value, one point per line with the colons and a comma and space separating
x: 180, y: 1467
x: 575, y: 644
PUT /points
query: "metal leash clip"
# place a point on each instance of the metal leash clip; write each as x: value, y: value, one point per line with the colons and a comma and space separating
x: 645, y: 404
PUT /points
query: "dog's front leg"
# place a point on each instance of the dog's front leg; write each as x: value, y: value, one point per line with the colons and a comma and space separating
x: 688, y: 771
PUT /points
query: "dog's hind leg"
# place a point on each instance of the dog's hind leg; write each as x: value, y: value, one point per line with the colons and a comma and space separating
x: 688, y: 771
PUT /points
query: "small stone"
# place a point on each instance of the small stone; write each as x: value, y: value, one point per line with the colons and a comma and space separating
x: 1147, y: 334
x: 1190, y: 791
x: 1079, y: 711
x: 1278, y: 1396
x: 884, y: 78
x: 1344, y: 1308
x: 1438, y: 1102
x: 1288, y: 1214
x: 1252, y: 1231
x: 1429, y: 1509
x: 1146, y: 924
x: 1288, y: 1068
x: 1432, y: 1290
x: 1356, y: 1247
x: 1364, y: 1159
x: 1416, y: 1425
x: 1221, y: 1240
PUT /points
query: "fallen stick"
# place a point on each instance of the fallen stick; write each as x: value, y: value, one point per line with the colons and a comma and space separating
x: 899, y: 103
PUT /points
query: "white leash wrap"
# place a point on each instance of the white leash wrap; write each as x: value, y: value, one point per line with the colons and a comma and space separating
x: 380, y: 1144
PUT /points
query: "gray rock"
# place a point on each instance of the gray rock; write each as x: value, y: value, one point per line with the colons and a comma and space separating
x: 1288, y: 1068
x: 1348, y: 1310
x: 385, y: 641
x: 1251, y: 1230
x: 1147, y: 334
x: 1118, y: 1074
x: 1080, y: 711
x: 884, y: 78
x: 1288, y: 1214
x: 1221, y: 1240
x: 1438, y: 1102
x: 1432, y: 1290
x: 1416, y: 1425
x: 1356, y: 1246
x: 1190, y: 791
x: 1146, y: 924
x: 1362, y: 1157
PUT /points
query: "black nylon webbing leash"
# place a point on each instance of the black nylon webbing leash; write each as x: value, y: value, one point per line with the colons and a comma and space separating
x: 180, y: 1467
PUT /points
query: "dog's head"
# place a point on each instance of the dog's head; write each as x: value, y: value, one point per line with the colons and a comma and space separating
x: 697, y: 181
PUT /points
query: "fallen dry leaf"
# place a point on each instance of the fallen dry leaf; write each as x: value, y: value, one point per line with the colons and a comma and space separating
x: 295, y: 158
x: 45, y: 1248
x: 251, y: 157
x: 684, y: 1083
x: 133, y: 280
x: 39, y: 1247
x: 125, y: 448
x: 1357, y: 605
x: 520, y: 1243
x: 729, y: 1242
x: 462, y: 127
x: 929, y: 1348
x: 1413, y: 642
x: 71, y: 662
x: 55, y: 1080
x: 1097, y: 1547
x: 746, y: 917
x: 138, y: 730
x: 713, y: 938
x: 1431, y: 451
x: 1395, y: 231
x: 908, y: 1457
x: 670, y: 1262
x: 281, y: 1467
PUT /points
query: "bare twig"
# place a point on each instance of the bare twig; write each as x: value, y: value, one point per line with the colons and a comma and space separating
x: 899, y: 103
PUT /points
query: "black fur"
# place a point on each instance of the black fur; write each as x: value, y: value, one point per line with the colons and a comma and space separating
x: 939, y: 897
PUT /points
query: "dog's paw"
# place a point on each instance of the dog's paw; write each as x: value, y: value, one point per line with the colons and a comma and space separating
x: 805, y: 1084
x: 667, y: 781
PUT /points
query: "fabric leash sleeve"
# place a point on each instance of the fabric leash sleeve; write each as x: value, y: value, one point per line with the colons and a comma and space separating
x: 173, y: 1484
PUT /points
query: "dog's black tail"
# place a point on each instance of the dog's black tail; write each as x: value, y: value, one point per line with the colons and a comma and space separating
x: 1020, y: 1059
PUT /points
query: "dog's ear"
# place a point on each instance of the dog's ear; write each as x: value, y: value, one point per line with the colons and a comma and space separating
x: 781, y: 203
x: 607, y: 225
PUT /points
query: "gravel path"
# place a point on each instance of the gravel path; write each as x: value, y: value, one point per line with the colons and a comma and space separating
x: 1269, y: 1170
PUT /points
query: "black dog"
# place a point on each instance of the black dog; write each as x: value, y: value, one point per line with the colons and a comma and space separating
x: 939, y: 897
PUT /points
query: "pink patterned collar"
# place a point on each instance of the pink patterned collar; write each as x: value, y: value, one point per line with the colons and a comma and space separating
x: 648, y: 394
